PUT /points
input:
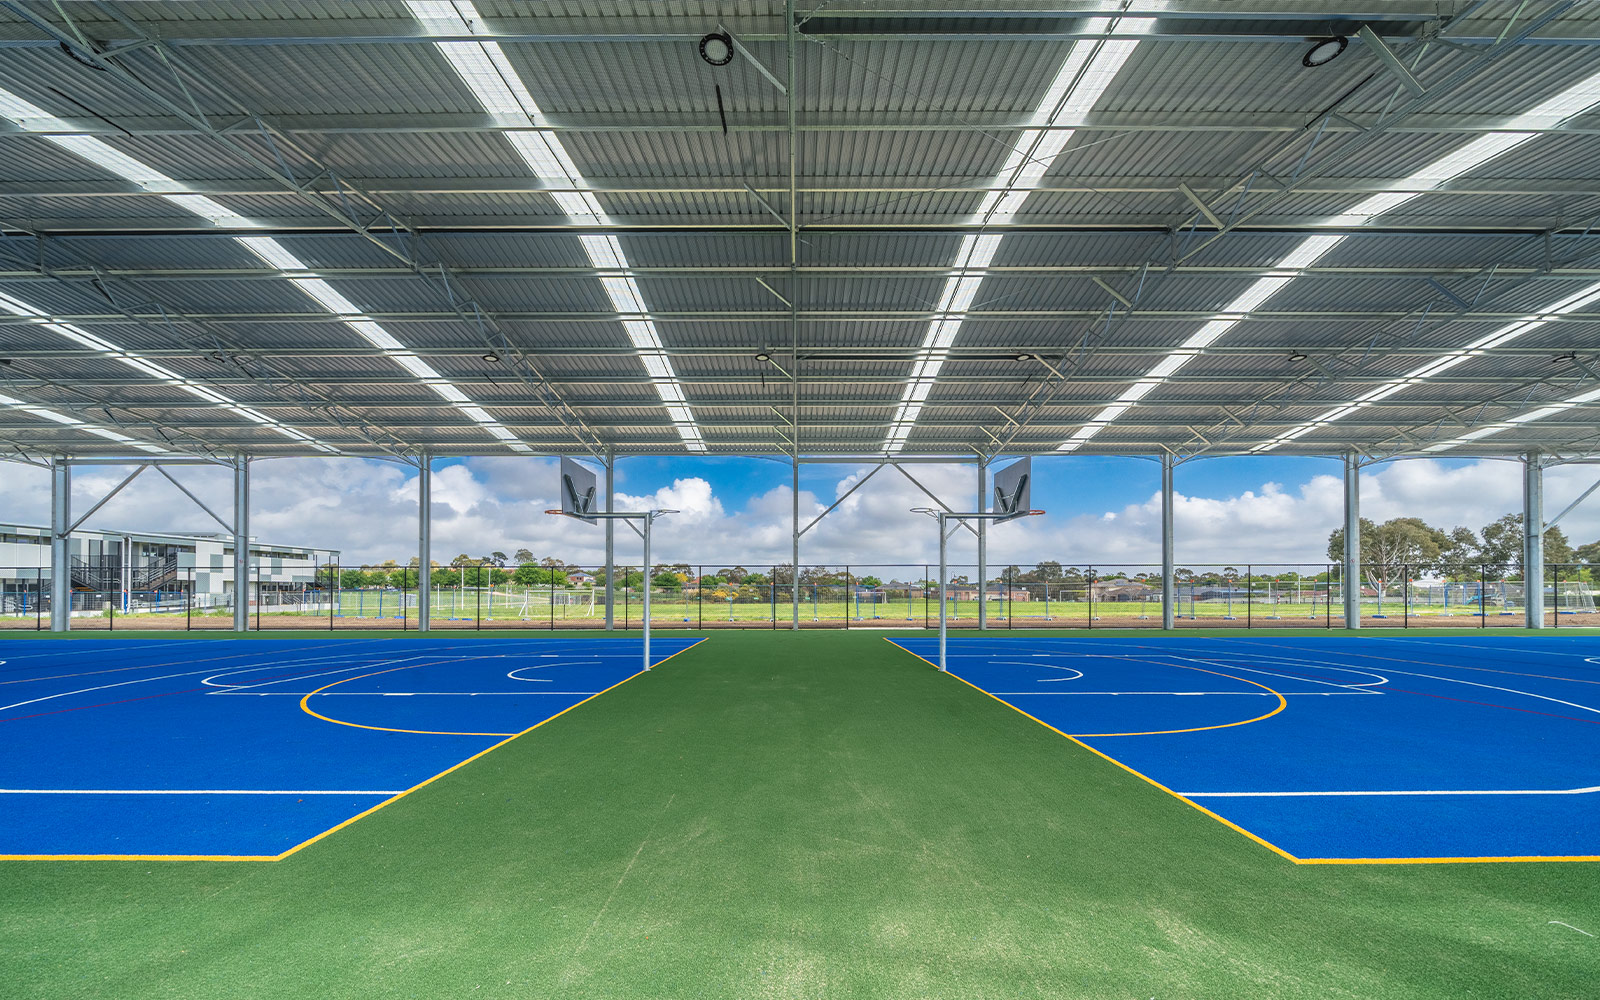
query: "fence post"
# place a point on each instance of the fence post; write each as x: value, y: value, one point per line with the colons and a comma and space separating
x: 1483, y: 595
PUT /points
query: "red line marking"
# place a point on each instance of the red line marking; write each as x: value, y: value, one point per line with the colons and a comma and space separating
x: 103, y: 704
x: 1490, y: 704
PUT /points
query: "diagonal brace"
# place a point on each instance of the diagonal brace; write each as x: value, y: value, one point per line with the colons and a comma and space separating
x: 107, y: 498
x: 197, y: 501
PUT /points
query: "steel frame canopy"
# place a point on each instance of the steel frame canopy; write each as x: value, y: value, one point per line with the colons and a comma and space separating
x: 310, y: 230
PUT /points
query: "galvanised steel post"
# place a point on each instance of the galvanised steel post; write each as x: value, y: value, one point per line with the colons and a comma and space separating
x: 424, y: 543
x: 611, y: 542
x: 1168, y: 587
x: 1351, y: 571
x: 1533, y: 540
x: 60, y: 524
x: 983, y: 547
x: 241, y: 544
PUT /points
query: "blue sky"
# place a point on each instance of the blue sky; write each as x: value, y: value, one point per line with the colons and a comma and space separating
x: 1101, y: 511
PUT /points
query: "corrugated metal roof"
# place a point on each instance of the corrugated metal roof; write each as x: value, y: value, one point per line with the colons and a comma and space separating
x: 900, y: 135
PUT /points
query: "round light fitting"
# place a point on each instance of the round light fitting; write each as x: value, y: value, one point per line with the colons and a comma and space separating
x: 1324, y: 51
x: 716, y: 48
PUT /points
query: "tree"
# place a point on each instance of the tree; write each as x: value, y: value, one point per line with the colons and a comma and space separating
x: 498, y: 558
x: 870, y: 581
x: 666, y: 581
x: 1588, y: 553
x: 1392, y: 547
x: 530, y: 575
x: 1502, y: 547
x: 461, y: 560
x: 735, y: 575
x: 354, y: 579
x: 551, y: 562
x: 1048, y: 571
x: 522, y: 557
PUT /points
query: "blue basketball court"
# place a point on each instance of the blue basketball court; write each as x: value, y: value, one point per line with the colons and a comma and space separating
x: 251, y: 748
x: 1333, y: 749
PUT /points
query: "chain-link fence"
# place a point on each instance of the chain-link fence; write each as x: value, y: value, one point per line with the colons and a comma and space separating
x: 482, y: 595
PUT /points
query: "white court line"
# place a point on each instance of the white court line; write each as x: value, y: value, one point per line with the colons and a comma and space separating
x: 58, y: 648
x: 1508, y: 648
x: 225, y: 688
x: 1242, y: 694
x: 138, y: 680
x: 397, y: 694
x: 188, y: 791
x: 1350, y: 688
x: 1470, y: 791
x: 1457, y: 680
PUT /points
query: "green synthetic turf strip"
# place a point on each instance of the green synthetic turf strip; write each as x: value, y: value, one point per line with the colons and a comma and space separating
x: 812, y: 815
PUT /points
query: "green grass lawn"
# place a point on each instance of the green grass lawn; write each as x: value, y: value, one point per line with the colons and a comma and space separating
x: 811, y: 815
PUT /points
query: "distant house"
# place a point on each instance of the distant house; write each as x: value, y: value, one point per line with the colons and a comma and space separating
x: 959, y: 592
x: 580, y: 579
x: 1123, y: 590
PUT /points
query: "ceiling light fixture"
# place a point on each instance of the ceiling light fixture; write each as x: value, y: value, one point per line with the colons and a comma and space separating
x: 492, y: 358
x: 716, y: 48
x: 1024, y: 356
x: 1297, y: 356
x: 1324, y: 51
x: 763, y: 357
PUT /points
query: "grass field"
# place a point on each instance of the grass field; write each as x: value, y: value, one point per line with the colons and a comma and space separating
x: 813, y: 815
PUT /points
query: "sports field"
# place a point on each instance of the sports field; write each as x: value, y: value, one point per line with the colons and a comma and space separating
x: 820, y: 815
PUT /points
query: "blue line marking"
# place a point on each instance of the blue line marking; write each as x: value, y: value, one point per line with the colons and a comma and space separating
x: 225, y: 716
x: 1430, y: 722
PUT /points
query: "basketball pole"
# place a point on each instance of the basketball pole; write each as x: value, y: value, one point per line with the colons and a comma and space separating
x: 942, y: 517
x: 648, y: 517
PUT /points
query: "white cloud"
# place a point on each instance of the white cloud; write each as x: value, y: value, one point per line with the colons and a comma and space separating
x: 368, y: 510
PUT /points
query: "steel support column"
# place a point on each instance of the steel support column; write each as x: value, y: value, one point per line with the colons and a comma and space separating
x: 1533, y: 539
x: 611, y: 541
x: 983, y: 547
x: 1168, y: 588
x: 60, y: 532
x: 1350, y: 575
x: 241, y: 544
x: 424, y: 543
x: 794, y: 539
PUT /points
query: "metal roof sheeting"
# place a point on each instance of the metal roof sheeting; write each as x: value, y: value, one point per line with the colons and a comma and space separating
x: 905, y: 112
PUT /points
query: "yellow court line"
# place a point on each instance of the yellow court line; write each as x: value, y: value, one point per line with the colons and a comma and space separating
x: 481, y: 753
x: 1236, y: 827
x: 386, y: 729
x: 1283, y: 703
x: 1446, y: 861
x: 1144, y: 777
x: 334, y: 829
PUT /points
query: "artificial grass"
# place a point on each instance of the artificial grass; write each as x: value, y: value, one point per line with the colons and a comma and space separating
x: 794, y: 815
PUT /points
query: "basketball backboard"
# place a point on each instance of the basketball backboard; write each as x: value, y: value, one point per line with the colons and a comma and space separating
x: 577, y: 491
x: 1013, y: 489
